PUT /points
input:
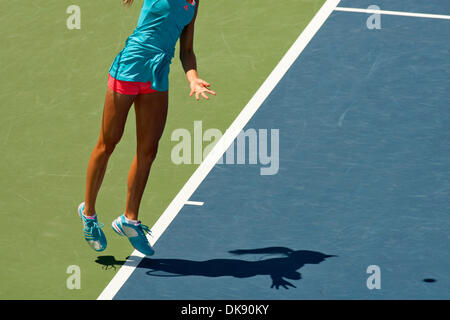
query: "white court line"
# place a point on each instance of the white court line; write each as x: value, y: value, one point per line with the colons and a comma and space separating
x: 395, y: 13
x: 195, y: 203
x: 222, y: 145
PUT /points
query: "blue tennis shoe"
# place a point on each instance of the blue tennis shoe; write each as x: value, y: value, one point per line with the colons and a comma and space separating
x: 92, y: 230
x: 136, y: 234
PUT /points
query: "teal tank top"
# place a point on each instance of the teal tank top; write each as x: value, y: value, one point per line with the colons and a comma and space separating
x: 148, y: 52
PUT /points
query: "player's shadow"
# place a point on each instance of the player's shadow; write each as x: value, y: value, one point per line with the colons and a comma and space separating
x: 108, y: 262
x: 280, y: 268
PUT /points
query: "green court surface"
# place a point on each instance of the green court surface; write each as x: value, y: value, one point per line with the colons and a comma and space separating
x: 53, y: 82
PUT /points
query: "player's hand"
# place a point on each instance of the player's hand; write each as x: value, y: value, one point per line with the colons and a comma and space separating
x: 200, y: 87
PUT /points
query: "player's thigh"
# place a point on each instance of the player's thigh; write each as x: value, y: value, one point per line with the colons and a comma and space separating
x: 115, y: 112
x: 151, y: 115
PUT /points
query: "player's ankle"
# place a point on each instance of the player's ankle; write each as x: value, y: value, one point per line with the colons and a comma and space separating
x: 89, y: 212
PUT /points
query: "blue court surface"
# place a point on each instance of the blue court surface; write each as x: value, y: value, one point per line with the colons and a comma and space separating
x: 364, y: 177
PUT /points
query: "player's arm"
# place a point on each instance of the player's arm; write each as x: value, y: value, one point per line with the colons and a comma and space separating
x: 189, y: 61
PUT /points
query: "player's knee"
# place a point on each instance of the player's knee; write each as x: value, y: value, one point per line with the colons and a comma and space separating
x: 148, y: 153
x: 107, y: 146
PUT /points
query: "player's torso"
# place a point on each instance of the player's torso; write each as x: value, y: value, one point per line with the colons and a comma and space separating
x: 162, y: 21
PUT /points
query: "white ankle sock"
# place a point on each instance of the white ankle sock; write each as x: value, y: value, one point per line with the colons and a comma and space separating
x: 134, y: 222
x: 90, y: 217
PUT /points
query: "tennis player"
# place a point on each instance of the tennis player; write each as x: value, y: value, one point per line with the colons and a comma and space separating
x: 139, y: 75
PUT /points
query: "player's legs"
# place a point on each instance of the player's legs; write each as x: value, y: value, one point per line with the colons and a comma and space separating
x: 151, y: 114
x: 115, y: 113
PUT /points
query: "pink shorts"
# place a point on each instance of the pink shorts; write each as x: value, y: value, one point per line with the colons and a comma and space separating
x: 129, y: 87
